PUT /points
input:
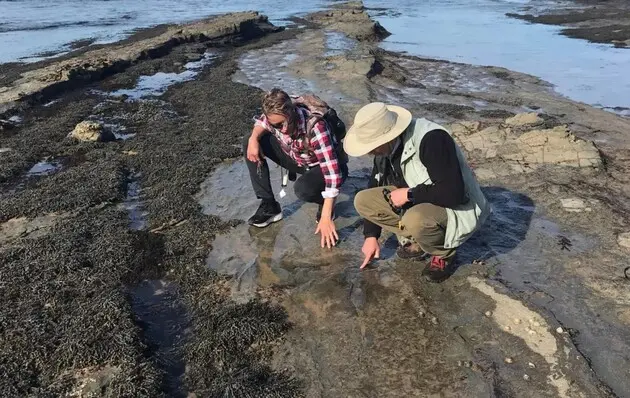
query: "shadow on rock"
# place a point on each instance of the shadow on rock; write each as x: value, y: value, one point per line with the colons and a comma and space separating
x: 504, y: 230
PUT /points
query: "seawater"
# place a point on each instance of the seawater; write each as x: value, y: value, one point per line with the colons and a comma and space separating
x: 470, y: 32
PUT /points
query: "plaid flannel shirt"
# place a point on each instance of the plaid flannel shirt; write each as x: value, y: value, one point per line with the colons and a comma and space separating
x: 321, y: 151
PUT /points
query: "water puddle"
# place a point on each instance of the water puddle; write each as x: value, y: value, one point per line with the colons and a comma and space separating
x: 44, y: 168
x: 156, y: 85
x: 284, y: 254
x: 163, y: 318
x: 426, y: 82
x: 283, y: 62
x: 16, y: 119
x: 621, y: 111
x: 133, y: 204
x: 50, y: 103
x: 119, y: 131
x: 338, y: 44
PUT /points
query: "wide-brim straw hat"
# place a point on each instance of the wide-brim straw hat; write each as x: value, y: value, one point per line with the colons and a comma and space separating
x: 374, y: 125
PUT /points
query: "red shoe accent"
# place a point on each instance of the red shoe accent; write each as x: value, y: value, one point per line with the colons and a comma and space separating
x: 437, y: 264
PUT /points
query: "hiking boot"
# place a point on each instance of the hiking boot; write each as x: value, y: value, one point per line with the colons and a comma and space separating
x: 410, y: 251
x: 438, y: 269
x: 268, y: 212
x: 319, y: 214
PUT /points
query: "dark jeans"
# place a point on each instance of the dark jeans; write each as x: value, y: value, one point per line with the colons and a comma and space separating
x: 308, y: 187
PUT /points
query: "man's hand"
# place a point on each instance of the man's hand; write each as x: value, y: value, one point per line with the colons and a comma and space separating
x: 326, y: 227
x: 371, y: 249
x: 399, y: 197
x: 253, y: 150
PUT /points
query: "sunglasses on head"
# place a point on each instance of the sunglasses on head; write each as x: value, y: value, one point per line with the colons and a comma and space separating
x: 280, y: 125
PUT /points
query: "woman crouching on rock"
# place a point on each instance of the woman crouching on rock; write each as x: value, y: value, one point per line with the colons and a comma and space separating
x: 300, y: 139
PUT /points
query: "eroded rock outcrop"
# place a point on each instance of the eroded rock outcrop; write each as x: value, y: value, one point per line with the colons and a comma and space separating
x: 92, y: 131
x: 352, y: 19
x: 101, y: 62
x: 501, y: 150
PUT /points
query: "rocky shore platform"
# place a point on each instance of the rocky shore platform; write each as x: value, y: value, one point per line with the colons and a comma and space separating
x: 126, y: 268
x: 592, y: 20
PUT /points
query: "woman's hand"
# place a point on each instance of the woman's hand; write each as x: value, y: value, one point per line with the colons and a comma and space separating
x: 253, y: 150
x: 326, y: 227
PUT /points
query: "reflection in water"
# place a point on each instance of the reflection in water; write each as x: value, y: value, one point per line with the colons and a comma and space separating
x: 158, y: 310
x: 156, y: 85
x: 133, y: 204
x: 44, y: 168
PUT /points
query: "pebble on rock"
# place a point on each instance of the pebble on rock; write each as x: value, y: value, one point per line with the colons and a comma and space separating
x: 507, y: 328
x: 517, y: 321
x: 526, y: 377
x: 560, y: 330
x: 92, y: 131
x: 488, y: 313
x: 623, y: 240
x: 574, y: 205
x: 434, y: 320
x: 531, y: 365
x: 509, y: 360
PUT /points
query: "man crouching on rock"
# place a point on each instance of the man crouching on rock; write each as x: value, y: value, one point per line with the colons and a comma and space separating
x: 421, y: 188
x: 301, y: 141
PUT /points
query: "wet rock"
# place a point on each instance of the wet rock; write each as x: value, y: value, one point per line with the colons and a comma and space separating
x: 283, y: 275
x: 553, y: 189
x: 192, y: 56
x: 623, y: 240
x: 22, y: 226
x: 94, y: 64
x: 574, y: 205
x: 6, y: 125
x: 524, y: 119
x: 92, y: 131
x: 542, y: 342
x: 352, y: 19
x: 94, y: 381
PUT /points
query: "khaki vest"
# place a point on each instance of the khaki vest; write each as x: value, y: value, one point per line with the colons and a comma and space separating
x: 464, y: 220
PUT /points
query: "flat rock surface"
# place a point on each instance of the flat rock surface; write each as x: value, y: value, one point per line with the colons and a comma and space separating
x: 149, y: 282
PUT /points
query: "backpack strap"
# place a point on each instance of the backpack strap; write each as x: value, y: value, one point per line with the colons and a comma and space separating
x: 310, y: 124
